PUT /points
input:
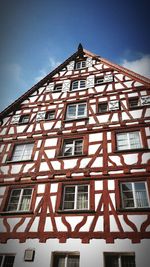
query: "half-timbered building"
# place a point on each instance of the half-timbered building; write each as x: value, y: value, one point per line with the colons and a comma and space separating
x: 75, y: 169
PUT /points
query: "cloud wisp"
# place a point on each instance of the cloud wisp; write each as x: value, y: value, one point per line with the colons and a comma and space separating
x: 141, y: 66
x: 52, y: 64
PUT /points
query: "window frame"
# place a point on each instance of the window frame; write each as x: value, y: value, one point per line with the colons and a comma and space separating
x: 66, y: 254
x: 5, y: 256
x: 74, y: 140
x: 22, y: 118
x: 79, y: 87
x: 75, y: 201
x: 129, y: 148
x: 10, y: 157
x: 80, y: 63
x: 76, y: 111
x: 130, y: 99
x: 119, y: 255
x: 134, y: 198
x: 98, y: 109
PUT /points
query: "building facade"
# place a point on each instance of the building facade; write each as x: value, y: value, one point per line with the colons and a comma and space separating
x: 75, y: 169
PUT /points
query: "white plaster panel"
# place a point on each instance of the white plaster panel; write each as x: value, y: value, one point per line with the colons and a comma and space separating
x: 1, y: 148
x: 39, y: 143
x: 50, y: 153
x: 23, y: 226
x: 38, y: 127
x: 12, y: 222
x: 30, y: 129
x: 130, y: 159
x: 125, y: 226
x: 3, y: 132
x: 136, y: 113
x: 116, y: 160
x: 84, y: 162
x: 36, y: 155
x: 128, y: 84
x: 119, y: 76
x: 138, y: 84
x: 4, y: 158
x: 70, y: 163
x: 34, y: 227
x: 73, y: 222
x: 27, y: 167
x: 4, y: 169
x: 92, y: 120
x: 147, y: 130
x: 145, y: 158
x: 95, y: 137
x: 48, y: 225
x: 114, y: 117
x: 44, y: 166
x: 11, y: 131
x: 92, y: 149
x: 147, y: 112
x: 108, y: 135
x: 56, y: 165
x: 54, y: 188
x: 48, y: 125
x: 20, y: 128
x: 111, y: 185
x: 112, y: 197
x: 93, y: 108
x: 119, y: 86
x: 98, y: 185
x: 103, y: 118
x: 113, y: 224
x: 109, y: 87
x: 8, y: 147
x: 137, y: 220
x: 38, y: 199
x: 53, y: 200
x: 87, y: 225
x: 2, y: 190
x: 109, y: 147
x: 58, y: 124
x: 47, y: 98
x: 97, y: 200
x: 41, y: 188
x: 60, y: 225
x: 98, y: 162
x: 16, y: 168
x: 125, y: 116
x: 100, y: 88
x: 2, y: 226
x: 99, y: 224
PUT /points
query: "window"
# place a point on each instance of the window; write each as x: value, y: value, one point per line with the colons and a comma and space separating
x: 130, y: 140
x: 134, y: 102
x: 73, y: 147
x: 50, y: 115
x: 119, y: 260
x: 103, y: 107
x: 58, y: 88
x: 7, y: 260
x: 20, y: 199
x: 99, y: 80
x: 76, y: 197
x: 134, y: 195
x: 22, y: 152
x: 80, y: 84
x: 24, y: 119
x: 80, y: 65
x: 65, y: 260
x: 75, y: 111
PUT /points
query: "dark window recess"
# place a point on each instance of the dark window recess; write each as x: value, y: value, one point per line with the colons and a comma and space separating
x: 103, y: 107
x: 50, y: 115
x: 58, y: 88
x: 24, y: 119
x: 118, y: 260
x: 6, y: 260
x: 65, y: 260
x: 99, y: 80
x: 133, y: 102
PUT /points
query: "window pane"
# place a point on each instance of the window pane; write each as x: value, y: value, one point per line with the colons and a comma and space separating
x: 82, y: 84
x: 59, y: 261
x: 112, y: 261
x: 103, y: 107
x: 68, y: 148
x: 127, y: 261
x: 78, y: 147
x: 50, y: 115
x: 71, y: 112
x: 141, y: 195
x: 133, y: 102
x: 134, y: 140
x: 14, y: 200
x: 22, y: 152
x: 122, y: 141
x: 127, y: 194
x: 81, y: 109
x: 73, y: 261
x: 26, y: 198
x: 82, y: 197
x: 69, y: 197
x: 8, y: 261
x: 75, y: 85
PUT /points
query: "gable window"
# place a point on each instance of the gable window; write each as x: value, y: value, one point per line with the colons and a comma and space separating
x: 99, y: 80
x: 134, y: 195
x: 76, y: 197
x: 20, y: 199
x: 77, y: 85
x: 7, y: 260
x: 63, y: 259
x: 129, y: 140
x: 134, y: 102
x: 103, y: 107
x: 24, y: 119
x: 75, y: 111
x: 58, y: 88
x: 50, y: 115
x: 22, y: 152
x: 80, y: 65
x: 119, y: 259
x: 73, y: 147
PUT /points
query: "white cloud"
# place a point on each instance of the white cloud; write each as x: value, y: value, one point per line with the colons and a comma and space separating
x: 141, y: 66
x: 52, y: 64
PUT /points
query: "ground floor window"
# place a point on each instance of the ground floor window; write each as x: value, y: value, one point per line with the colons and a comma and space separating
x: 119, y: 259
x: 65, y: 260
x: 7, y: 260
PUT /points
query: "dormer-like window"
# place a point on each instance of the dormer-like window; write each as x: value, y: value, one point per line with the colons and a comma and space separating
x: 134, y: 102
x: 24, y: 119
x: 77, y: 85
x: 80, y: 65
x: 58, y: 88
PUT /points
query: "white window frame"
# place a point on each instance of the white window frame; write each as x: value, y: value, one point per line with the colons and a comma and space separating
x: 5, y: 256
x: 76, y: 197
x: 73, y: 146
x: 128, y: 144
x: 80, y: 65
x: 79, y: 85
x: 21, y: 156
x: 18, y: 209
x: 134, y: 195
x: 77, y: 105
x: 119, y: 255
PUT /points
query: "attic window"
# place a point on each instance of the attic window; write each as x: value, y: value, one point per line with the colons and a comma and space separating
x: 58, y: 88
x: 80, y: 65
x: 24, y: 119
x: 99, y: 80
x: 134, y: 102
x: 50, y: 115
x: 77, y: 85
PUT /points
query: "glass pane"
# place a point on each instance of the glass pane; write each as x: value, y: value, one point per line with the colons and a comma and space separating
x: 16, y: 192
x: 141, y: 199
x: 73, y: 261
x: 133, y: 102
x: 75, y: 85
x: 82, y: 84
x: 59, y: 261
x: 122, y: 141
x: 127, y: 261
x: 8, y: 261
x: 102, y: 107
x: 112, y: 261
x: 78, y: 147
x: 68, y: 205
x: 82, y: 188
x: 68, y: 148
x: 71, y: 112
x: 126, y: 186
x: 50, y: 115
x: 134, y: 140
x: 1, y: 257
x: 81, y: 109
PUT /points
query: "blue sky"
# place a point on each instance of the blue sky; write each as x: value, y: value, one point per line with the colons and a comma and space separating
x: 37, y: 35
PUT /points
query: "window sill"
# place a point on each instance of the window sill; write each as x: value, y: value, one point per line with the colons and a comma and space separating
x: 19, y: 161
x: 71, y: 156
x: 75, y: 211
x: 12, y: 213
x: 76, y: 119
x: 133, y: 209
x: 132, y: 150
